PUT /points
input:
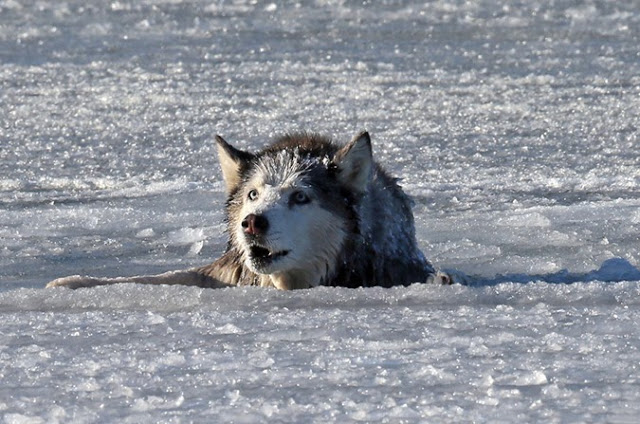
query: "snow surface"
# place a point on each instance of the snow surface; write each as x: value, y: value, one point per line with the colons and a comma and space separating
x: 514, y: 125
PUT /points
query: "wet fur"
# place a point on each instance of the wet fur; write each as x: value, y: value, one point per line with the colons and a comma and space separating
x: 367, y: 237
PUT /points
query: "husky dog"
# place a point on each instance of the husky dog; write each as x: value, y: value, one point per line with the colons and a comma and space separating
x: 306, y: 212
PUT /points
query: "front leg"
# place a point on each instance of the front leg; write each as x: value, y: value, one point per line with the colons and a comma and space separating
x: 78, y: 281
x: 185, y: 278
x: 441, y: 278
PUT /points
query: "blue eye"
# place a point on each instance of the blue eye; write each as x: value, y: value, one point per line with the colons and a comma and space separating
x: 253, y: 194
x: 300, y: 198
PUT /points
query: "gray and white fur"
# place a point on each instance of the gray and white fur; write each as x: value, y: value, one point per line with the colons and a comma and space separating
x: 305, y: 212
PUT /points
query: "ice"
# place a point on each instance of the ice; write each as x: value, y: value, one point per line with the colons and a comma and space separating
x: 514, y: 126
x: 250, y: 353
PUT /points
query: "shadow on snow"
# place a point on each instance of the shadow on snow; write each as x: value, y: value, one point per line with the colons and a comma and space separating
x: 611, y: 271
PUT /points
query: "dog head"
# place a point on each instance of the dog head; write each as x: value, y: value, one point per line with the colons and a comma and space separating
x: 291, y: 207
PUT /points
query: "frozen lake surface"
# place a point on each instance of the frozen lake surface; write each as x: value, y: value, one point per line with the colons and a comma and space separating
x: 514, y: 126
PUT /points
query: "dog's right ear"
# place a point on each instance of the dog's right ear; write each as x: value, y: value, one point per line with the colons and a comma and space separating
x: 233, y: 163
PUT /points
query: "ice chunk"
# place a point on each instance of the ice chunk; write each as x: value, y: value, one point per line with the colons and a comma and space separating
x: 146, y: 233
x: 186, y: 236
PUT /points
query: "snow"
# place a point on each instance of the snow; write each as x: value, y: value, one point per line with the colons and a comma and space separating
x: 514, y: 126
x: 557, y: 352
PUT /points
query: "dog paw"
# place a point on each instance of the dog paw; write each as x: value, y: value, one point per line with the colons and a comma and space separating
x: 441, y: 278
x: 72, y: 282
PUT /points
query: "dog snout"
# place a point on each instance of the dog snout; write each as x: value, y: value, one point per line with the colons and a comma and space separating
x: 255, y: 224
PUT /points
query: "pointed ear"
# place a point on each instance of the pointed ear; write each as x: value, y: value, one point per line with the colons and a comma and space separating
x: 233, y: 163
x: 355, y: 162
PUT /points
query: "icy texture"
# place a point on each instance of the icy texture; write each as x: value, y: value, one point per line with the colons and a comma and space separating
x: 548, y: 353
x: 513, y: 124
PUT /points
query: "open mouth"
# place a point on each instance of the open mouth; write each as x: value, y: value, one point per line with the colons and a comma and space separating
x: 265, y: 255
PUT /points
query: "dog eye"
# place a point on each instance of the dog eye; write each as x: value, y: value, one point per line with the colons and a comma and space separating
x: 300, y: 198
x: 253, y: 194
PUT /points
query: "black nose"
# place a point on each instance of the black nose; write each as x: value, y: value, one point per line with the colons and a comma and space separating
x: 255, y: 224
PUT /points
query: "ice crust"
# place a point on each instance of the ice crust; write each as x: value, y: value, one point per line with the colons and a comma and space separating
x: 514, y: 126
x: 555, y: 352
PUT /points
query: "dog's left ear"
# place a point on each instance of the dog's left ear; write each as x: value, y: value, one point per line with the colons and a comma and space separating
x: 354, y: 163
x: 233, y: 162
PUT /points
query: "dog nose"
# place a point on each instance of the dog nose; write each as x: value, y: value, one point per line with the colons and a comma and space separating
x: 255, y: 224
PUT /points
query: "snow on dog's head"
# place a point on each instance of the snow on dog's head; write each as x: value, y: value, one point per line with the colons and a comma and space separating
x: 292, y: 206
